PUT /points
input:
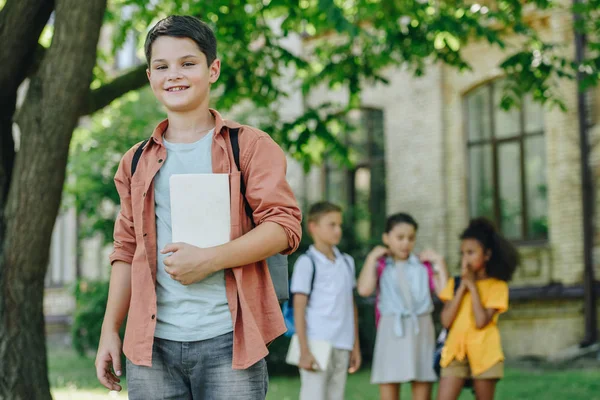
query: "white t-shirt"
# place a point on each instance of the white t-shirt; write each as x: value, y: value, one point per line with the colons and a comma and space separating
x: 198, y: 311
x: 330, y: 309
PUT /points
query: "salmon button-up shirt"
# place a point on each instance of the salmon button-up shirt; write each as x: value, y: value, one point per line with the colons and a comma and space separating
x: 255, y: 310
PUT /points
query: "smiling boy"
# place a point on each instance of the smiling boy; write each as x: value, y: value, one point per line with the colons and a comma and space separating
x: 198, y: 319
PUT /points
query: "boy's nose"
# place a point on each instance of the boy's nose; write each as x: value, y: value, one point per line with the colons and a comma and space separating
x: 174, y: 75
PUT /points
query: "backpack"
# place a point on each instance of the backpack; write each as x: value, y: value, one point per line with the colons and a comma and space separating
x: 277, y: 264
x: 288, y: 306
x: 441, y: 340
x: 381, y: 263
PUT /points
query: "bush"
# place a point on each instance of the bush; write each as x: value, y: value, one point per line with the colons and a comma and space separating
x: 90, y: 304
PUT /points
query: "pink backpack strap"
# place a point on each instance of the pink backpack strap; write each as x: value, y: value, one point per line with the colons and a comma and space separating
x: 381, y: 263
x: 430, y: 272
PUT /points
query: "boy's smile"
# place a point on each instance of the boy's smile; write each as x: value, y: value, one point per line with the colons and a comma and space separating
x: 176, y: 88
x: 179, y: 75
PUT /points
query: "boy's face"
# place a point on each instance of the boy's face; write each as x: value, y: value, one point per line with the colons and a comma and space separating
x: 327, y: 229
x: 401, y: 240
x: 178, y: 74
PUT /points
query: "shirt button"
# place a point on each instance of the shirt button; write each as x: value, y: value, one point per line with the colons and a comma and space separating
x: 153, y: 316
x: 160, y: 160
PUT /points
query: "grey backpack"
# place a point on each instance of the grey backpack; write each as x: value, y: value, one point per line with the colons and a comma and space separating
x: 278, y: 264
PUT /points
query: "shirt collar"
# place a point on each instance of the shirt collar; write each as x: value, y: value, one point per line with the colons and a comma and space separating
x: 322, y: 257
x: 220, y: 123
x: 411, y: 260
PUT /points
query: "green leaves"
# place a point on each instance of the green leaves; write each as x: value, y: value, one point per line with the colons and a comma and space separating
x: 348, y: 43
x: 97, y: 148
x: 270, y: 47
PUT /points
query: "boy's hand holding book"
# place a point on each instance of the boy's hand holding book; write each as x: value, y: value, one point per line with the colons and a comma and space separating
x: 308, y: 361
x: 189, y: 264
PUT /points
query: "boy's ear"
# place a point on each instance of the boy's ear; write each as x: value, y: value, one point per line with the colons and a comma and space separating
x: 148, y: 73
x: 215, y: 70
x: 310, y: 226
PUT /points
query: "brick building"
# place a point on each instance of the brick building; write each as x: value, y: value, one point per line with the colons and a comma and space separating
x: 452, y: 153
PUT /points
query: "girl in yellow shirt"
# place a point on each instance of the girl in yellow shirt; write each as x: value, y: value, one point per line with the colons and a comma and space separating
x: 473, y: 349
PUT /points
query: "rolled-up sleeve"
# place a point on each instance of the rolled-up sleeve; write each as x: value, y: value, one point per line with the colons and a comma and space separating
x: 124, y: 233
x: 267, y: 190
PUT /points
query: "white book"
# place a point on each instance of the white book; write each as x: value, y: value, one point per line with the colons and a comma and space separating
x: 320, y: 349
x: 200, y: 209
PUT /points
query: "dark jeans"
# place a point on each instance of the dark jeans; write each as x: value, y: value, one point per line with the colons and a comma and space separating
x: 196, y: 370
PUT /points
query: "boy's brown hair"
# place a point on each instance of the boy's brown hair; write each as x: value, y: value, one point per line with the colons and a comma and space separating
x: 184, y: 26
x: 318, y: 210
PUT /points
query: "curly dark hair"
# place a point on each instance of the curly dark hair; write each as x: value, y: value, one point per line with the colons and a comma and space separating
x: 504, y: 255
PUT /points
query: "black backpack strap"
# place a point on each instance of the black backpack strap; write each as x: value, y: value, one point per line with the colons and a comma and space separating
x: 235, y: 146
x: 345, y: 258
x: 137, y: 155
x: 456, y: 283
x: 314, y: 272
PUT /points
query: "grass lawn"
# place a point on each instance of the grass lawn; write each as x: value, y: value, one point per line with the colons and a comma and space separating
x: 74, y: 378
x: 517, y: 385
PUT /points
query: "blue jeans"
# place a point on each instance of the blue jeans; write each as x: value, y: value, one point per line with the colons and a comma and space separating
x: 196, y: 370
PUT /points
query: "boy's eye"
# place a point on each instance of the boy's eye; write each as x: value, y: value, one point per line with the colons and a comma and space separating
x: 188, y: 64
x: 161, y: 67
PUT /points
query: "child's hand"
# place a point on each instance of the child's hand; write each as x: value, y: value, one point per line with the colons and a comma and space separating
x: 355, y: 360
x: 108, y: 361
x: 378, y: 252
x: 431, y: 256
x: 436, y: 260
x: 467, y: 277
x: 308, y: 362
x: 189, y: 264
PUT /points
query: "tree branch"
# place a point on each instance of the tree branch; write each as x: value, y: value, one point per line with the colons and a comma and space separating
x: 21, y: 23
x: 99, y: 98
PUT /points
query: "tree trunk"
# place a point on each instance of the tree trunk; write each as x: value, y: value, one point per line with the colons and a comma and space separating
x: 21, y: 23
x: 47, y: 119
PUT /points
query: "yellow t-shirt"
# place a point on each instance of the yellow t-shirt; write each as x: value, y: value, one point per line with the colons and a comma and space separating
x: 481, y: 347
